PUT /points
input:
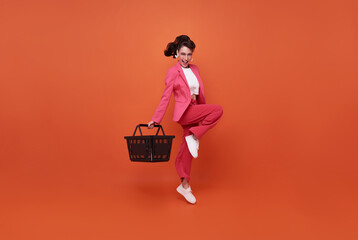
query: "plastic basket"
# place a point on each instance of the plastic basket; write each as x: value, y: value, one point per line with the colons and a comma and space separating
x: 149, y: 148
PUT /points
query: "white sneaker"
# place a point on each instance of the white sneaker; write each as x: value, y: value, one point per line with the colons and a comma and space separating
x: 193, y: 145
x: 186, y: 193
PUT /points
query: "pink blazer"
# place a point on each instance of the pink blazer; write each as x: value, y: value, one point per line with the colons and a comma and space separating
x: 175, y: 82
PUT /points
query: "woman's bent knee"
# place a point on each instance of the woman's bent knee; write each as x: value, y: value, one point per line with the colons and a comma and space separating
x: 219, y: 110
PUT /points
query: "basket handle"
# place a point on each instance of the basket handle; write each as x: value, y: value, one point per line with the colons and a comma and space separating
x: 146, y: 125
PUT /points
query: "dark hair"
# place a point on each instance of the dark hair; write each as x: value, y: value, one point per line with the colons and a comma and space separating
x: 180, y: 41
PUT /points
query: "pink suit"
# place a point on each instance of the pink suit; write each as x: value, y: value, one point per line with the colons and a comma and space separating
x: 187, y: 112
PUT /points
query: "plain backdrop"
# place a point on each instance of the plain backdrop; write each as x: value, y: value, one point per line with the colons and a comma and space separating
x: 77, y: 76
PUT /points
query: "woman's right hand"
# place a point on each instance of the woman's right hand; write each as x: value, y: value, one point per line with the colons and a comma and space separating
x: 151, y: 124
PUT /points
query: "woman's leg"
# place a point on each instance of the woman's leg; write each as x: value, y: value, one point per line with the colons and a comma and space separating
x: 207, y: 114
x: 184, y: 158
x: 185, y: 183
x: 183, y: 166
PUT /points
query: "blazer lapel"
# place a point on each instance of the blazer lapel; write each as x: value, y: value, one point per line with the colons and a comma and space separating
x: 181, y: 73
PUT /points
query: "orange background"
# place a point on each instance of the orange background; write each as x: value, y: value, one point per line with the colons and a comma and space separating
x: 78, y: 76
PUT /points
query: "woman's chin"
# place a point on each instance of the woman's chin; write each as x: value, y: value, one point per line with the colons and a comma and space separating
x: 184, y: 64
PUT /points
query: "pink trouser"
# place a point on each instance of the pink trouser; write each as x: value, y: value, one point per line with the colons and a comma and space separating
x: 206, y: 114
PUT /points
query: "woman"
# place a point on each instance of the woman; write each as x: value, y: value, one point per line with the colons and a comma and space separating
x: 190, y: 109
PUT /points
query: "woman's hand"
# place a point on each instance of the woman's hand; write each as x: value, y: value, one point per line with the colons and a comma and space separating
x: 151, y: 124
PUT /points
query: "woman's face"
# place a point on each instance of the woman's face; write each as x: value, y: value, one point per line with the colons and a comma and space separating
x: 185, y: 56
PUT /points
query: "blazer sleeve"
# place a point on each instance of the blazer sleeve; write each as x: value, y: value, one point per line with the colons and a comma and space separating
x: 164, y: 102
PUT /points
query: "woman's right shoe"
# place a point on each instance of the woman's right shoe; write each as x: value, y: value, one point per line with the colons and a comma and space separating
x: 193, y: 145
x: 186, y: 193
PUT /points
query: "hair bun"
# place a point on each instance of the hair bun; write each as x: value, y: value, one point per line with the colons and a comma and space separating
x: 180, y: 41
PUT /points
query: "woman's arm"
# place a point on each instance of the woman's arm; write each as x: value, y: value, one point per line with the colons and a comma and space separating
x: 164, y: 102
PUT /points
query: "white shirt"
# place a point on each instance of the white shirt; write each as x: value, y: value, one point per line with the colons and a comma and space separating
x: 192, y: 81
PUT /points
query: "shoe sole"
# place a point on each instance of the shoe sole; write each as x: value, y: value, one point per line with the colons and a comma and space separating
x: 190, y: 150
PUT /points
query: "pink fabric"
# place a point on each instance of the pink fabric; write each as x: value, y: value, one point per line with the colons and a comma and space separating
x: 187, y: 112
x: 176, y: 83
x: 206, y: 114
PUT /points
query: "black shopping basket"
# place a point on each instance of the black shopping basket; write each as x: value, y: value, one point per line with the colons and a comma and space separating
x: 149, y: 148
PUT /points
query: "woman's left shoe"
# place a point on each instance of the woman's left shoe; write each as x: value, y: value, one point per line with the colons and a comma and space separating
x: 186, y: 193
